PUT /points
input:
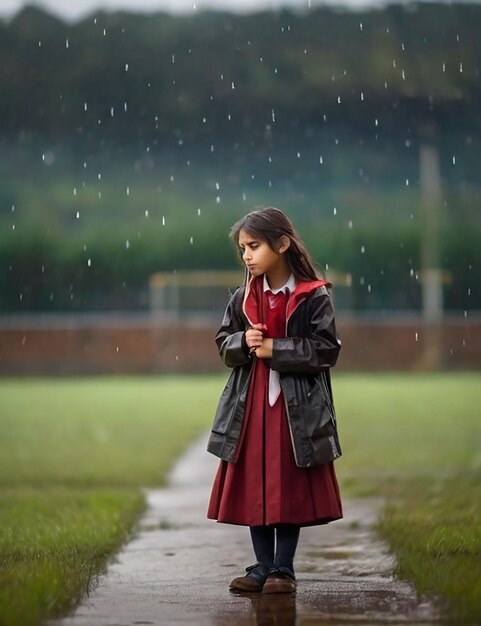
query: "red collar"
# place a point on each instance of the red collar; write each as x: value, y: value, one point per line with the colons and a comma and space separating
x: 254, y: 292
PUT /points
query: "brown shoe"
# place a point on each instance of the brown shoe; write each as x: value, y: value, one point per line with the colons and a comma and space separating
x: 279, y: 583
x: 244, y: 583
x: 252, y: 581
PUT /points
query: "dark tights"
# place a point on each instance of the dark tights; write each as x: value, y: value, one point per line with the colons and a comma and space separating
x: 284, y: 537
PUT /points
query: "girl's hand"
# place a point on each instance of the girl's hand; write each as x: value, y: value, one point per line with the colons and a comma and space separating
x: 264, y: 351
x: 254, y: 336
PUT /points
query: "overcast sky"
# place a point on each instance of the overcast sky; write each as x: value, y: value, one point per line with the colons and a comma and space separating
x: 74, y: 9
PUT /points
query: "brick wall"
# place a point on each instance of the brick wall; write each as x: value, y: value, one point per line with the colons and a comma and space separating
x: 140, y: 344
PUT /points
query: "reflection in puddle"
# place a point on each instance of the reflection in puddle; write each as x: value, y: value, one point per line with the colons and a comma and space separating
x: 271, y: 609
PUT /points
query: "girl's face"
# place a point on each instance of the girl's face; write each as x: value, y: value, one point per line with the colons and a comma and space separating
x: 258, y: 256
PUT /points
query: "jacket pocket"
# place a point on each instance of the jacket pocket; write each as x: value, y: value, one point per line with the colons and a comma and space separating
x: 319, y: 413
x: 225, y: 412
x: 231, y: 401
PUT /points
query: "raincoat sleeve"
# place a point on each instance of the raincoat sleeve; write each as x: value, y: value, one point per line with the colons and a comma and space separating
x: 230, y: 338
x: 316, y: 351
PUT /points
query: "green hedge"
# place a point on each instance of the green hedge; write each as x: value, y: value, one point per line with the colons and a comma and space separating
x: 44, y: 272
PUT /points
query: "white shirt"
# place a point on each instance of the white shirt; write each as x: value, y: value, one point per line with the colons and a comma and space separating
x: 274, y: 384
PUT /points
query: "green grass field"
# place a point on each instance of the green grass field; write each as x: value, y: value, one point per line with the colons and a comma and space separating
x: 75, y: 452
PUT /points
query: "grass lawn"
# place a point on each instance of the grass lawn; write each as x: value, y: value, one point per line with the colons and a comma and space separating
x: 75, y: 452
x: 73, y: 456
x: 416, y: 440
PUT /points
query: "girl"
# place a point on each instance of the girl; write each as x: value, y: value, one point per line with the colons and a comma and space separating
x: 275, y: 427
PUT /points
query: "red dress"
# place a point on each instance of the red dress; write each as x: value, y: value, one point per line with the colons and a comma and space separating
x: 265, y: 486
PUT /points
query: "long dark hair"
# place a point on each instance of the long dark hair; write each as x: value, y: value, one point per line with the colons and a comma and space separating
x: 270, y: 224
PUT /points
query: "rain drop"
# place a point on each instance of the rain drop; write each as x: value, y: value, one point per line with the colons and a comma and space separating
x: 127, y: 244
x: 321, y: 160
x: 85, y: 106
x: 217, y: 186
x: 191, y: 241
x: 126, y: 67
x: 338, y: 99
x: 77, y: 215
x: 89, y: 262
x: 217, y: 199
x: 334, y: 211
x: 363, y: 249
x: 75, y: 191
x: 416, y: 336
x: 163, y: 220
x: 454, y: 160
x: 127, y: 191
x: 460, y: 67
x: 349, y: 224
x: 273, y: 115
x: 198, y: 212
x: 407, y: 182
x: 232, y: 85
x: 146, y: 213
x: 66, y: 43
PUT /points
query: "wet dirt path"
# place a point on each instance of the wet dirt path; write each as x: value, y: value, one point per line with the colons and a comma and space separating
x: 177, y: 569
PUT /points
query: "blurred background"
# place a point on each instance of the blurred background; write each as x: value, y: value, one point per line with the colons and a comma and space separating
x: 133, y: 136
